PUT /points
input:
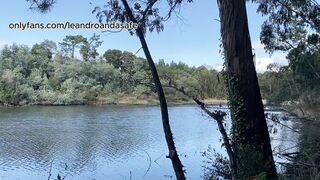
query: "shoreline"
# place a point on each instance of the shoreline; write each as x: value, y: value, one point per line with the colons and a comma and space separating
x: 302, y: 112
x: 124, y: 102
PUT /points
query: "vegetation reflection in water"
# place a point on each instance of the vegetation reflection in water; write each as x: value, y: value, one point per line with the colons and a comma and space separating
x: 114, y: 142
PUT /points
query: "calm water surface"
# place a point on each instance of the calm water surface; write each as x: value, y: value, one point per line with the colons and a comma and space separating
x: 110, y: 142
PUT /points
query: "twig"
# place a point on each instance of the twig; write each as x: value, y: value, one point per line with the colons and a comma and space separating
x: 138, y: 51
x: 217, y: 20
x: 158, y: 159
x: 65, y: 176
x: 283, y: 125
x: 145, y: 12
x: 50, y: 170
x: 149, y: 166
x: 130, y: 175
x: 111, y: 31
x: 284, y: 150
x: 216, y: 115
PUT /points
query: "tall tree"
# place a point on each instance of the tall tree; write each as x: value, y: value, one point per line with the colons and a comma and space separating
x: 250, y: 136
x: 149, y: 18
x: 89, y: 48
x: 70, y: 43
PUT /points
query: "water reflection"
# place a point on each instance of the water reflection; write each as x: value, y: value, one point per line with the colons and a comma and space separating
x: 104, y: 142
x: 284, y: 134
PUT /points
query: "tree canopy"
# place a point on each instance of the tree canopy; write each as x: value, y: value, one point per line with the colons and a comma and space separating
x: 45, y: 75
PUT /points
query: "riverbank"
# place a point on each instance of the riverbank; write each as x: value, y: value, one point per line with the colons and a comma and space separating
x: 302, y: 111
x: 120, y: 100
x: 303, y: 163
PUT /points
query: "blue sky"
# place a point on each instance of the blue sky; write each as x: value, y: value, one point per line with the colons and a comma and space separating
x: 194, y: 39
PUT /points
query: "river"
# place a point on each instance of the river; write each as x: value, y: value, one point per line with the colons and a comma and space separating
x: 112, y: 142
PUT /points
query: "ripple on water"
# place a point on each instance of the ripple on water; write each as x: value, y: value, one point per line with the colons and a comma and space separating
x: 88, y: 142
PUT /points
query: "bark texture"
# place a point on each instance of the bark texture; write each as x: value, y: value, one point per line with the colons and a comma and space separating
x: 250, y: 136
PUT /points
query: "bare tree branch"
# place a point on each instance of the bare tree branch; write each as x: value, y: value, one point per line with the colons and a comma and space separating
x: 218, y: 116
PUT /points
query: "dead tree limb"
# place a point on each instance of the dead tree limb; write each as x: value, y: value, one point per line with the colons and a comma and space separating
x: 217, y: 115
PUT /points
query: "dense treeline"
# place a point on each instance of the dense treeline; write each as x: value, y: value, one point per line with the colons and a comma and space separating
x: 45, y: 75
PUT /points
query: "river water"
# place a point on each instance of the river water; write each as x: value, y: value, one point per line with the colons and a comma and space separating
x: 113, y: 142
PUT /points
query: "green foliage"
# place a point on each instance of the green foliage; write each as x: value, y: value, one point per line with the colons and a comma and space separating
x: 43, y: 75
x: 293, y: 27
x: 250, y: 166
x: 288, y: 23
x: 300, y: 84
x: 304, y: 165
x: 149, y: 16
x: 113, y: 57
x: 89, y: 48
x: 216, y: 165
x: 45, y: 49
x: 238, y: 111
x: 200, y: 82
x: 70, y: 43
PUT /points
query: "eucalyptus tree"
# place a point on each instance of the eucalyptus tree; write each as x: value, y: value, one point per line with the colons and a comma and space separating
x: 294, y: 27
x: 250, y: 136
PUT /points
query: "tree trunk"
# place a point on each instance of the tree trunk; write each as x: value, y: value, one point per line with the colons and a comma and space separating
x: 73, y: 48
x: 250, y: 136
x: 173, y: 155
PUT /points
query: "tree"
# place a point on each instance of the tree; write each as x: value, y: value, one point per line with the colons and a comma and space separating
x: 46, y: 49
x: 289, y: 24
x: 294, y: 27
x: 250, y: 136
x: 127, y: 62
x: 89, y: 48
x: 113, y: 56
x: 70, y: 43
x: 41, y: 57
x: 145, y: 18
x: 41, y: 5
x: 148, y: 18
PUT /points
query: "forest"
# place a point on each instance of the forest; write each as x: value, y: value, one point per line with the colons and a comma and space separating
x: 43, y: 75
x: 46, y: 74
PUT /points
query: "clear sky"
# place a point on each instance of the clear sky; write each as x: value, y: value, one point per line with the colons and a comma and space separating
x: 194, y: 39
